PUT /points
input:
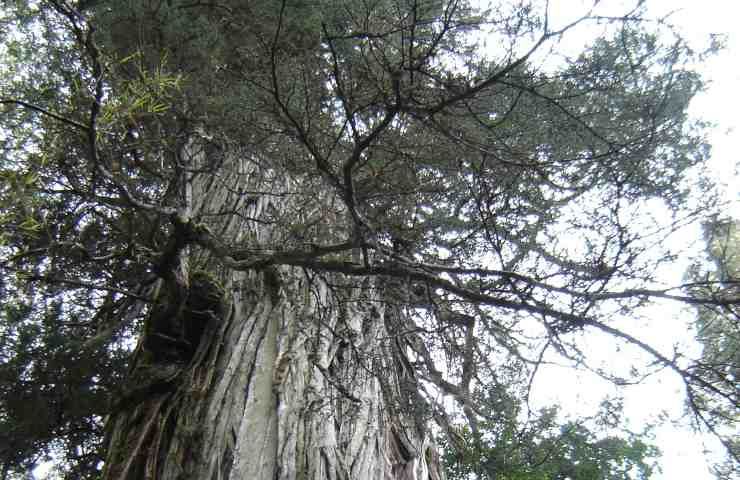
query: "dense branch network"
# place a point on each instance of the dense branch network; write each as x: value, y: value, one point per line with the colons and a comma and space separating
x: 372, y: 142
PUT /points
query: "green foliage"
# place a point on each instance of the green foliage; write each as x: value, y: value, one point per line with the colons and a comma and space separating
x: 515, y: 443
x: 149, y: 93
x: 54, y: 386
x: 718, y: 330
x: 544, y: 449
x: 53, y: 392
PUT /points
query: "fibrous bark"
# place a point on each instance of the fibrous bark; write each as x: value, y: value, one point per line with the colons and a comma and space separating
x: 294, y: 376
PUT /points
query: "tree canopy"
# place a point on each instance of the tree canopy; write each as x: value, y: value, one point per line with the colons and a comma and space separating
x: 496, y: 200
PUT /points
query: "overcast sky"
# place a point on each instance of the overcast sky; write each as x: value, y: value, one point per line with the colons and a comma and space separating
x: 697, y: 19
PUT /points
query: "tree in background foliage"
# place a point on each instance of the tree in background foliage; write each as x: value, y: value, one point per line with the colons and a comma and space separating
x: 303, y: 239
x: 568, y: 451
x: 718, y: 331
x: 542, y: 447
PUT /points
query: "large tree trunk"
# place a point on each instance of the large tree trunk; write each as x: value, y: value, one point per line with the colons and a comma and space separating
x: 273, y: 392
x: 285, y: 374
x: 267, y: 371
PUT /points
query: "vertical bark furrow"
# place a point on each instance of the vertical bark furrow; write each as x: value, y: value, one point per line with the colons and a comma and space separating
x: 288, y: 386
x: 247, y: 390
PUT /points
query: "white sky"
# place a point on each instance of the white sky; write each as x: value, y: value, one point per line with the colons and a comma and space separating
x: 682, y: 451
x: 719, y: 104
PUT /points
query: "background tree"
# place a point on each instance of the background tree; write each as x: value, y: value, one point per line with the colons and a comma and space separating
x: 556, y: 452
x: 516, y: 443
x: 718, y: 330
x: 326, y: 226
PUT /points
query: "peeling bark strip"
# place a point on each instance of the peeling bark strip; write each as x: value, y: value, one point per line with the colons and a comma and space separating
x: 261, y: 398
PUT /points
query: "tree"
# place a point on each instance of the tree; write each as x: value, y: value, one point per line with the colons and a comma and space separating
x: 717, y: 329
x: 505, y: 447
x: 572, y: 452
x: 325, y: 226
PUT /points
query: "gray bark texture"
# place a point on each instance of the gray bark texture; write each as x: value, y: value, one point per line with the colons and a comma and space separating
x: 294, y: 376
